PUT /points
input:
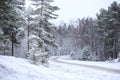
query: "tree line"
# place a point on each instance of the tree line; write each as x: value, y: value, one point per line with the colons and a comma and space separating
x: 27, y: 32
x: 91, y: 39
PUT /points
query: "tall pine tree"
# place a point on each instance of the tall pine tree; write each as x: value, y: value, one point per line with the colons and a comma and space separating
x: 11, y: 19
x: 108, y: 28
x: 39, y: 30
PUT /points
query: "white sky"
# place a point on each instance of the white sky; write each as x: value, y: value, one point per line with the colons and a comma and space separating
x: 73, y: 9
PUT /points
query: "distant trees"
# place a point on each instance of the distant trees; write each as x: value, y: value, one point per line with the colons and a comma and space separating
x: 76, y: 38
x: 101, y: 36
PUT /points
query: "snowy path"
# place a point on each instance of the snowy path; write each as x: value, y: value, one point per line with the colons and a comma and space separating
x: 109, y: 70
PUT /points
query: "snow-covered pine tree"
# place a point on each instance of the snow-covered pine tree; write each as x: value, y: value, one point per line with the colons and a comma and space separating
x: 108, y: 22
x: 39, y: 27
x: 11, y: 19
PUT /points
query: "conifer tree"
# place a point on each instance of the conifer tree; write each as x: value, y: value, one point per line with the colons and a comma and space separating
x: 11, y: 19
x: 39, y: 30
x: 108, y: 28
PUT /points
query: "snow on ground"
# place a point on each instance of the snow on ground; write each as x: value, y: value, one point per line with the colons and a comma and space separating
x: 12, y: 68
x: 113, y: 65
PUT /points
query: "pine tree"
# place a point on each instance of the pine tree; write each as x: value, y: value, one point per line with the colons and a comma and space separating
x: 108, y: 29
x: 11, y: 19
x: 39, y: 30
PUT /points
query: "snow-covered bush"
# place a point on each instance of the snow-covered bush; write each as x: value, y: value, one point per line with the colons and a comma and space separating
x: 37, y: 52
x: 85, y: 53
x: 37, y: 56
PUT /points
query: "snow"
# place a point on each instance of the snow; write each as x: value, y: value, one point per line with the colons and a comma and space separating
x: 107, y: 64
x: 12, y: 68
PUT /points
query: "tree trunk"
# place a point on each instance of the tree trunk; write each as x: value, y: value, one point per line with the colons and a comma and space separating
x: 12, y: 51
x: 28, y: 33
x: 4, y: 48
x: 41, y: 14
x: 12, y: 48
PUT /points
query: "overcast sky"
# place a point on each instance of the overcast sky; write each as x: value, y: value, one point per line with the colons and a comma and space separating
x: 73, y: 9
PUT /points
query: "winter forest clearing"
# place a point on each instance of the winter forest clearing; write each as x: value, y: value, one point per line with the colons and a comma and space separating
x: 34, y: 47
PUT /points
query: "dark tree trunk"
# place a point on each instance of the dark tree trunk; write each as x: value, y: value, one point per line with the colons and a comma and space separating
x: 12, y: 49
x: 28, y: 33
x: 4, y: 48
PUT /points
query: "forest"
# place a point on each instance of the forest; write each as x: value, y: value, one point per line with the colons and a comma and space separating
x: 34, y: 47
x: 28, y: 33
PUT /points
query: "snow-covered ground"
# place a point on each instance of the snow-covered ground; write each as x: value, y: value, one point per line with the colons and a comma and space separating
x: 107, y: 64
x: 12, y: 68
